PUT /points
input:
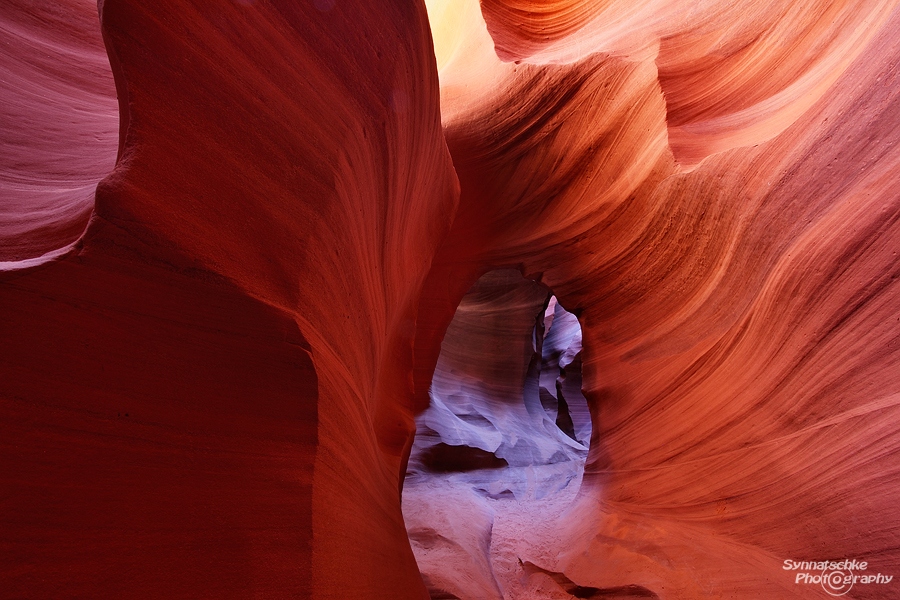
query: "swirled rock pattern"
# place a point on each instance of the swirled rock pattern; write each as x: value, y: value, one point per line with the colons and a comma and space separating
x: 732, y: 74
x: 740, y: 318
x: 60, y: 123
x: 212, y: 392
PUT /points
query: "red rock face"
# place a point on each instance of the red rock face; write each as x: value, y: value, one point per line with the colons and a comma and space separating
x: 140, y: 416
x: 183, y: 414
x: 211, y: 393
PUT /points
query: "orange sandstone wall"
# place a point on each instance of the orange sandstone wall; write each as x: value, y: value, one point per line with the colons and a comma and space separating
x: 212, y: 393
x: 739, y: 302
x: 733, y: 74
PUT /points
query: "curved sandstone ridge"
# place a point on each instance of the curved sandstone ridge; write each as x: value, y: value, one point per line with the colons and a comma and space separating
x: 60, y: 120
x: 733, y: 74
x: 212, y: 394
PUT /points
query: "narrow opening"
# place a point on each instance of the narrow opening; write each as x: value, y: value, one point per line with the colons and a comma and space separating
x: 501, y: 449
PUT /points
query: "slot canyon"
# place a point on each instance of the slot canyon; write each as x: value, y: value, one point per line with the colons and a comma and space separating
x: 500, y: 450
x: 467, y: 299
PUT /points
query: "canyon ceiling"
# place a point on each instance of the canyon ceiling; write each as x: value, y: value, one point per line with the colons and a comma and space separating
x: 234, y: 234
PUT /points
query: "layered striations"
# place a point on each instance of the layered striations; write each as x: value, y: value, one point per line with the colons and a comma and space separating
x: 60, y: 121
x: 733, y: 74
x: 740, y: 319
x: 212, y: 393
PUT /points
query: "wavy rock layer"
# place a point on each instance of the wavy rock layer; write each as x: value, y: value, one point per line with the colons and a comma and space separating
x: 732, y: 74
x: 740, y: 320
x: 60, y: 122
x: 213, y: 393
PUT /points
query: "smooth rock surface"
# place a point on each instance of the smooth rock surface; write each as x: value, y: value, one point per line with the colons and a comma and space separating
x: 210, y: 368
x: 183, y: 415
x: 60, y: 124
